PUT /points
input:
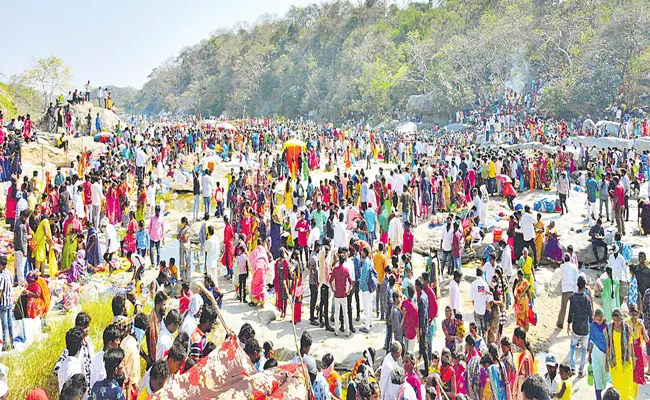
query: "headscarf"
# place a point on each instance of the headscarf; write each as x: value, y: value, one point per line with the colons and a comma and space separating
x: 72, y: 219
x: 196, y: 302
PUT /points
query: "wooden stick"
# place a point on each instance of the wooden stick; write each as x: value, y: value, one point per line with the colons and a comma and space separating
x: 214, y: 304
x: 295, y: 341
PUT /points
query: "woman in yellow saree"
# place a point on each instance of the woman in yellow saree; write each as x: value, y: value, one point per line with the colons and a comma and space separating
x: 522, y: 299
x: 525, y: 264
x: 446, y: 194
x: 288, y: 195
x: 539, y: 237
x: 43, y: 238
x: 620, y: 360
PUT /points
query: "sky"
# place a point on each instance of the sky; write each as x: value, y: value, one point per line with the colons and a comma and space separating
x: 118, y: 42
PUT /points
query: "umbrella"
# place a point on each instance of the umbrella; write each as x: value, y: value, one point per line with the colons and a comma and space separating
x: 103, y: 137
x: 503, y: 178
x: 294, y: 143
x: 226, y: 126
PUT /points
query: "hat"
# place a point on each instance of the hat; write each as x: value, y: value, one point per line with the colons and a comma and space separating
x: 310, y: 363
x: 19, y: 194
x: 551, y: 359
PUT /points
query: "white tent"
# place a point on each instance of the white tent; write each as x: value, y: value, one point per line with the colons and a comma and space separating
x: 408, y: 128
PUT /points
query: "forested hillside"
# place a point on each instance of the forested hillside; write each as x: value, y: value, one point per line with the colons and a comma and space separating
x: 341, y: 59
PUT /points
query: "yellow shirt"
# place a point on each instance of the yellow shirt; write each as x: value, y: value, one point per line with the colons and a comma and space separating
x: 493, y: 170
x: 380, y: 262
x: 568, y: 391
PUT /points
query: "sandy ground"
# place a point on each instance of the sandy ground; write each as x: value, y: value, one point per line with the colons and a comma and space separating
x: 346, y: 350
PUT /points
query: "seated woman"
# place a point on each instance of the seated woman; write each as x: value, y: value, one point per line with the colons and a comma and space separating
x: 77, y: 271
x: 38, y: 295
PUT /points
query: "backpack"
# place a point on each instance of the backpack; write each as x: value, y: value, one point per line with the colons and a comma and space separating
x: 372, y: 279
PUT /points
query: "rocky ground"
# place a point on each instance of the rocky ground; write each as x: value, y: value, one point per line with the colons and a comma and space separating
x: 572, y: 228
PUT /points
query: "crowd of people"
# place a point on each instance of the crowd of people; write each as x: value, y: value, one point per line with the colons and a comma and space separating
x: 346, y: 238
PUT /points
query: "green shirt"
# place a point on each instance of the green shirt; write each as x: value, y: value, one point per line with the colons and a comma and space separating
x: 320, y: 217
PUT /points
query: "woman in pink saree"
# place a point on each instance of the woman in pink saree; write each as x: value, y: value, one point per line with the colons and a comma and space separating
x: 259, y: 265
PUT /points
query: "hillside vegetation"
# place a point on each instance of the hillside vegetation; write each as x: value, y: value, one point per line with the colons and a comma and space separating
x: 340, y: 60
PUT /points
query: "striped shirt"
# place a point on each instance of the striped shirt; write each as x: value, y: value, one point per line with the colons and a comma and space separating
x: 6, y: 284
x: 197, y: 343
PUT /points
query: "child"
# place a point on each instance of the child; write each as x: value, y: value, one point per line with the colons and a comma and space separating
x: 459, y: 366
x: 142, y: 239
x: 435, y: 363
x: 172, y: 272
x: 186, y: 296
x: 242, y: 264
x: 460, y: 330
x: 214, y: 290
x: 566, y: 388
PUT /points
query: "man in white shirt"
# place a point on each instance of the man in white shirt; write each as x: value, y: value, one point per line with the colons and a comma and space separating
x: 620, y: 272
x: 528, y: 229
x: 112, y: 339
x: 140, y: 163
x: 445, y: 244
x: 478, y: 293
x: 165, y: 339
x: 395, y: 230
x: 387, y: 366
x: 569, y: 272
x: 340, y: 240
x: 399, y: 182
x: 454, y: 293
x: 551, y: 377
x: 72, y: 364
x: 489, y: 268
x: 206, y: 189
x: 112, y: 244
x: 97, y: 195
x: 314, y: 234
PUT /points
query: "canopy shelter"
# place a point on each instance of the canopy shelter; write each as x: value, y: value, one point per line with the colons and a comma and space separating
x: 293, y: 148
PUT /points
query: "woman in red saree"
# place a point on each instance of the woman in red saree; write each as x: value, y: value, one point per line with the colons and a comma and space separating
x: 131, y: 230
x: 297, y: 289
x: 111, y: 200
x: 38, y: 295
x: 259, y: 265
x: 229, y: 247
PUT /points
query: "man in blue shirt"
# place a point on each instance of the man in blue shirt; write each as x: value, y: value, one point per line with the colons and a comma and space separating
x: 592, y: 190
x: 366, y: 294
x: 370, y: 216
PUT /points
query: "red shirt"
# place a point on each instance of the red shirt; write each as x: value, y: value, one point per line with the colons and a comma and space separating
x: 87, y: 193
x: 302, y: 227
x: 619, y: 195
x: 433, y: 303
x: 341, y: 278
x: 407, y: 242
x: 410, y: 318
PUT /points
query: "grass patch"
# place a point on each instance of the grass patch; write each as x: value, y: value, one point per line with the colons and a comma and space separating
x: 33, y: 368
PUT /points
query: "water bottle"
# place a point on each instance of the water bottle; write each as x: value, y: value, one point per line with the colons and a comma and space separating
x: 590, y: 375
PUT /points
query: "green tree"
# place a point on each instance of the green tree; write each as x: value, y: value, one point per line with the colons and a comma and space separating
x: 49, y: 76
